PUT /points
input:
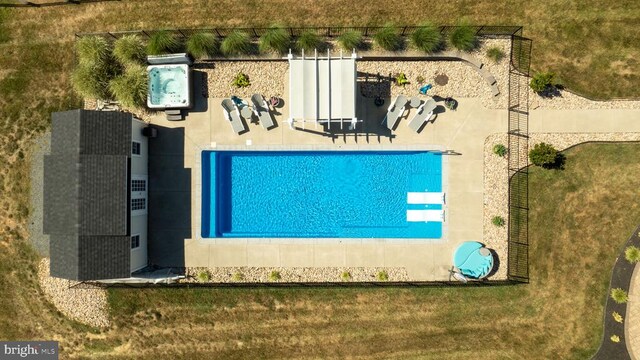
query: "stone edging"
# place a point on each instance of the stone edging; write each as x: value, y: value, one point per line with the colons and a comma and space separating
x: 620, y: 278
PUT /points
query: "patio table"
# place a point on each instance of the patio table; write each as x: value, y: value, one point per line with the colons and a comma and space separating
x: 415, y: 102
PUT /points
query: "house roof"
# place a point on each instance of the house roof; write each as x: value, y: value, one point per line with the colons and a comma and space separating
x: 86, y: 194
x: 322, y: 88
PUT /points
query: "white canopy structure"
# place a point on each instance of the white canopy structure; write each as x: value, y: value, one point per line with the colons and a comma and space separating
x: 322, y: 90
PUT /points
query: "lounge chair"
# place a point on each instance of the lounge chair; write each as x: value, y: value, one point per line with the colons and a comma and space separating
x: 425, y: 111
x: 425, y: 215
x: 395, y: 110
x: 232, y: 114
x: 261, y: 110
x: 425, y: 198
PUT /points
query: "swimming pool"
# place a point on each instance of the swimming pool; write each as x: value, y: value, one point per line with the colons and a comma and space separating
x: 320, y: 194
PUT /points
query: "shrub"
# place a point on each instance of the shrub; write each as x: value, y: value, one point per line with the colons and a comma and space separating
x: 427, y: 38
x: 202, y: 44
x: 495, y: 53
x: 275, y: 39
x: 345, y: 276
x: 500, y: 150
x: 632, y: 254
x: 463, y: 37
x: 498, y: 221
x: 617, y: 317
x: 203, y: 276
x: 542, y: 82
x: 91, y: 82
x: 401, y: 79
x: 382, y: 275
x: 350, y: 40
x: 388, y: 38
x: 163, y: 42
x: 131, y: 87
x: 129, y: 49
x: 241, y: 80
x: 93, y: 51
x: 620, y: 296
x: 615, y: 338
x: 309, y: 41
x: 544, y: 155
x: 275, y: 275
x: 237, y: 276
x: 236, y: 43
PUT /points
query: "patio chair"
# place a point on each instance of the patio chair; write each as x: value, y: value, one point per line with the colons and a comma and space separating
x: 425, y: 215
x: 425, y: 198
x: 261, y: 110
x: 232, y: 114
x: 425, y: 111
x: 395, y: 110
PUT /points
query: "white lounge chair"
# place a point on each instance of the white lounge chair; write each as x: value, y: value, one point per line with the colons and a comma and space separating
x: 425, y: 198
x: 395, y: 110
x: 425, y: 215
x: 261, y: 110
x: 425, y: 111
x: 232, y: 114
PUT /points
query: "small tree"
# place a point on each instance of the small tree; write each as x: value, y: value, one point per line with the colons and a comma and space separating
x: 131, y: 87
x: 350, y: 40
x: 632, y: 254
x: 129, y: 49
x: 275, y: 39
x: 202, y: 44
x: 388, y: 38
x: 495, y: 53
x: 463, y: 37
x: 542, y: 82
x: 163, y: 42
x: 500, y: 150
x: 427, y: 38
x: 309, y: 41
x: 236, y: 43
x: 619, y: 295
x: 544, y: 155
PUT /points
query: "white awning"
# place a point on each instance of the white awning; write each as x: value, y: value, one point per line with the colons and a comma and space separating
x: 322, y: 90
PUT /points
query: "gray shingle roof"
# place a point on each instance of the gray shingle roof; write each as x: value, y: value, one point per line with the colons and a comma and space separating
x: 86, y: 194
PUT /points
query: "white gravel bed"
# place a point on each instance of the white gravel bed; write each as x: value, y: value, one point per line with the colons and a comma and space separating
x: 568, y: 100
x: 496, y: 182
x: 88, y: 306
x: 305, y: 274
x: 266, y: 78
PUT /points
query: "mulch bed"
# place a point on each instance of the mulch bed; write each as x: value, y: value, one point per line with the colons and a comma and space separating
x: 620, y: 278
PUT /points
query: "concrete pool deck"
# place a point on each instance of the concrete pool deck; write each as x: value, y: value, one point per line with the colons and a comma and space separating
x: 174, y: 240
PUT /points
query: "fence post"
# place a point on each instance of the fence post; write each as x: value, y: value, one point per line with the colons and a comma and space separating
x: 217, y: 32
x: 404, y: 30
x: 366, y: 31
x: 254, y: 32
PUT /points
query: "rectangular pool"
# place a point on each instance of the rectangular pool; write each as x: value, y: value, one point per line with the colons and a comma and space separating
x: 320, y: 194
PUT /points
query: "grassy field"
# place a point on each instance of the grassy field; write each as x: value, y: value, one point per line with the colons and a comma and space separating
x: 558, y: 314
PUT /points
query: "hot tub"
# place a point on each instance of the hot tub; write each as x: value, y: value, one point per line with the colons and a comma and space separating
x: 169, y: 86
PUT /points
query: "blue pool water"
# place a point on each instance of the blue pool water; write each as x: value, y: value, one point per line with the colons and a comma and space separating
x: 330, y: 194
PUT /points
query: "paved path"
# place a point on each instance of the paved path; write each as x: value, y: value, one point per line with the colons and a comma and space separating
x: 633, y: 316
x: 584, y: 121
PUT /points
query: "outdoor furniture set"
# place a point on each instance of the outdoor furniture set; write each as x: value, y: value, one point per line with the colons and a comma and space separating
x: 235, y: 109
x: 398, y: 106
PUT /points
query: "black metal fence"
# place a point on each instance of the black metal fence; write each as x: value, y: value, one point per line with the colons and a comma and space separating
x: 518, y: 134
x: 329, y: 32
x: 32, y: 4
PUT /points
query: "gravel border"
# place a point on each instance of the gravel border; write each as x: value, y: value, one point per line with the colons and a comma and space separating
x: 303, y: 274
x: 40, y: 147
x: 86, y: 305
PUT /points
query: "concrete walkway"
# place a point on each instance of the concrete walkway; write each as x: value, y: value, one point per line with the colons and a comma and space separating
x: 584, y: 121
x: 632, y: 322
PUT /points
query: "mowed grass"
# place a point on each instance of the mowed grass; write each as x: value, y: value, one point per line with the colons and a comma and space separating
x: 579, y: 219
